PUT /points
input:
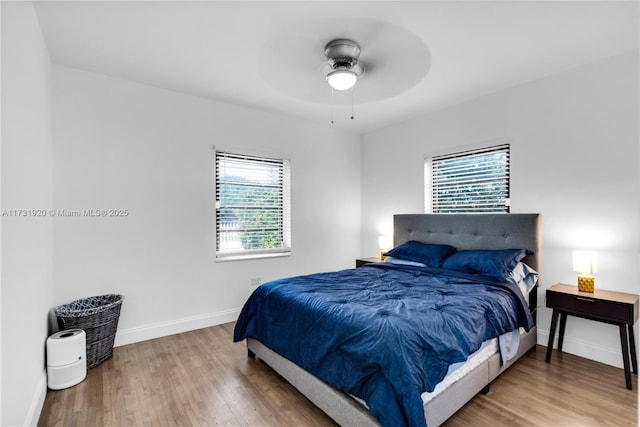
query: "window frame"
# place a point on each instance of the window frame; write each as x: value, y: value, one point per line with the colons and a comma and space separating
x: 490, y: 147
x: 284, y: 208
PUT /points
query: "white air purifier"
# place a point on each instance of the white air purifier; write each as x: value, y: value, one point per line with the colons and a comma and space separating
x: 66, y: 358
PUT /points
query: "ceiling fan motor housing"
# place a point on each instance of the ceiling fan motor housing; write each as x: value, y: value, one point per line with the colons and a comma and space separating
x: 342, y: 56
x: 342, y: 53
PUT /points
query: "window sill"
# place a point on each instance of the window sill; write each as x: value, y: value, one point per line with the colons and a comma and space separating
x: 243, y: 257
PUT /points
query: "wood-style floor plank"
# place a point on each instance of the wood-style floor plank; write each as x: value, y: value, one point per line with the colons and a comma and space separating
x: 202, y: 378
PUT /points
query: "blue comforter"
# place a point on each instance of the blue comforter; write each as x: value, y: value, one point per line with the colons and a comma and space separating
x: 384, y: 333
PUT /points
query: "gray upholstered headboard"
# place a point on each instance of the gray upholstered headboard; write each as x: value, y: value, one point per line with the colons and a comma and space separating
x: 472, y: 231
x: 475, y: 231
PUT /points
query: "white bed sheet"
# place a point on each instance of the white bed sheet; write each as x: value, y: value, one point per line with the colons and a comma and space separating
x: 458, y: 370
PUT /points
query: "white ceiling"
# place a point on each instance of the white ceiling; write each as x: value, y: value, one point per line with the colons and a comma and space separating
x: 420, y: 55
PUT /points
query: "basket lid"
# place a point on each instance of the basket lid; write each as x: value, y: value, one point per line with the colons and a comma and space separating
x: 88, y: 306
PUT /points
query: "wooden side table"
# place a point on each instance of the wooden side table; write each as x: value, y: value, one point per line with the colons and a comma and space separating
x: 616, y: 308
x: 362, y: 261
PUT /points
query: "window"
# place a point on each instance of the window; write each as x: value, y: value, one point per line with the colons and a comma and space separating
x: 252, y: 206
x: 469, y: 181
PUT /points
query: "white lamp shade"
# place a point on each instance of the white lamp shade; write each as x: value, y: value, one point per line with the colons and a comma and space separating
x: 342, y: 79
x: 585, y: 261
x: 385, y: 242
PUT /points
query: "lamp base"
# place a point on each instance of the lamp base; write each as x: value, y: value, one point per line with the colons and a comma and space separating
x: 586, y: 283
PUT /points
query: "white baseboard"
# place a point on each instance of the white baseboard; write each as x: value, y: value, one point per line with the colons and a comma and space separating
x: 37, y: 402
x: 588, y: 350
x: 148, y: 332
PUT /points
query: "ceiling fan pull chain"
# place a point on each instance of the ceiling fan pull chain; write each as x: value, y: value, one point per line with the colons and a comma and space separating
x: 352, y: 90
x: 331, y: 105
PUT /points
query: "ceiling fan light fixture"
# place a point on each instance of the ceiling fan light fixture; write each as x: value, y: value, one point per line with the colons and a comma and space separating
x: 342, y: 79
x: 342, y: 68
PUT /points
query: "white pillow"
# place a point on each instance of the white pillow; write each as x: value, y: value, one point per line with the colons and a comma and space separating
x: 392, y: 260
x: 525, y: 277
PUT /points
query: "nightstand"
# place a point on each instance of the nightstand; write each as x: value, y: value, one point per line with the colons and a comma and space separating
x: 616, y: 308
x: 362, y: 261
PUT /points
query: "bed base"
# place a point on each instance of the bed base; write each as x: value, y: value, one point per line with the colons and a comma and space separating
x: 347, y: 412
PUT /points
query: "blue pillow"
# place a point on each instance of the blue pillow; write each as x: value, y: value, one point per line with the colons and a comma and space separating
x: 428, y: 254
x: 496, y: 264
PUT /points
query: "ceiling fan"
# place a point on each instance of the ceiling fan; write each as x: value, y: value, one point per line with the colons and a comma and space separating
x: 307, y: 60
x: 342, y: 69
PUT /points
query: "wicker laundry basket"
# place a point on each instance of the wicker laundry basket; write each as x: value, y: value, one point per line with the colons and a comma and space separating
x: 98, y: 316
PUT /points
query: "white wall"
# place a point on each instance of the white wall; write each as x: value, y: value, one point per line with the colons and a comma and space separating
x: 118, y: 144
x: 27, y: 260
x: 125, y: 145
x: 575, y: 159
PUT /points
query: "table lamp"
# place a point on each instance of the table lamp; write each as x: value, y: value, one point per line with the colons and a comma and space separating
x: 385, y: 243
x: 585, y: 263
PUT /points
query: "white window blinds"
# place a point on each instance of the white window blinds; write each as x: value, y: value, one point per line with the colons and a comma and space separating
x: 469, y: 181
x: 252, y: 205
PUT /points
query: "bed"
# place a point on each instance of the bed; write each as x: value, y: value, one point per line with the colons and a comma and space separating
x: 311, y: 330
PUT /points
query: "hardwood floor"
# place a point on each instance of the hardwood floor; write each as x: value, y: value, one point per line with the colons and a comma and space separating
x: 202, y: 378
